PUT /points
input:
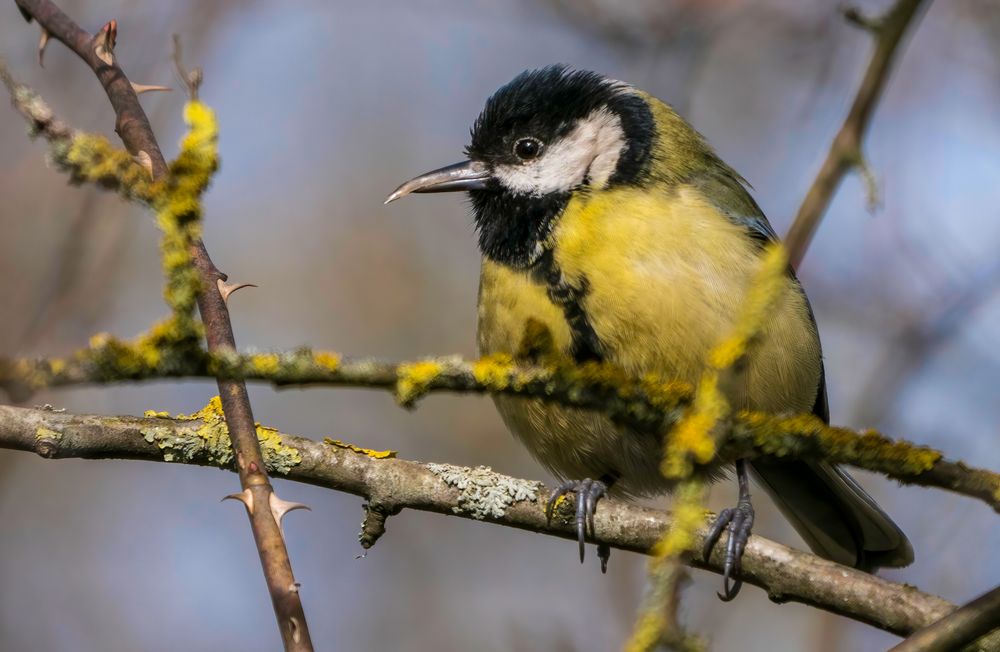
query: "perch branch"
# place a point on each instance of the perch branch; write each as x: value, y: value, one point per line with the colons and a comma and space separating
x: 644, y: 403
x: 845, y: 152
x: 136, y: 133
x: 389, y: 484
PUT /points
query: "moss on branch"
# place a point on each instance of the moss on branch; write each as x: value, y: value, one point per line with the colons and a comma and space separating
x: 646, y: 402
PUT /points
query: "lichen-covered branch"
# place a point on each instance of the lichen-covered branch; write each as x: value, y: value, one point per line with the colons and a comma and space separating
x: 648, y: 402
x: 132, y: 125
x: 845, y: 152
x: 389, y: 484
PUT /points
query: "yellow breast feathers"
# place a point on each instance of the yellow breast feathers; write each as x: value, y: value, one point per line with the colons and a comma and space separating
x: 664, y: 276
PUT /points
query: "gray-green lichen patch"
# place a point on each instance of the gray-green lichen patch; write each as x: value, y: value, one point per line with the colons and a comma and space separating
x: 278, y: 457
x: 209, y: 443
x: 185, y: 445
x: 484, y: 493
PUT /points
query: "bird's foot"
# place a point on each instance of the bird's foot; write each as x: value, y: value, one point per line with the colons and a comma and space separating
x: 586, y: 493
x: 738, y: 522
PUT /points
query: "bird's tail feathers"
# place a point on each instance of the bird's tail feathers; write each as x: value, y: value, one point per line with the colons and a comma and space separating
x: 835, y: 516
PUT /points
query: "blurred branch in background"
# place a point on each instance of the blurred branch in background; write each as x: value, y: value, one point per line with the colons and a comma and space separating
x: 846, y: 151
x: 390, y: 484
x: 133, y: 127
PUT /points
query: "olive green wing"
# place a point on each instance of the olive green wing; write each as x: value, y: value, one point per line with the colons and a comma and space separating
x: 827, y: 507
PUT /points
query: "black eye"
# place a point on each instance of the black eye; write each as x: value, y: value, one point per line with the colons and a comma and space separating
x: 527, y: 149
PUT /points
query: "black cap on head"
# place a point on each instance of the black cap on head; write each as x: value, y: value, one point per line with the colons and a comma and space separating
x: 547, y: 103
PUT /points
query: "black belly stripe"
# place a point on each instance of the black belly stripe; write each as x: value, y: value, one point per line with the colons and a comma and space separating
x: 585, y: 346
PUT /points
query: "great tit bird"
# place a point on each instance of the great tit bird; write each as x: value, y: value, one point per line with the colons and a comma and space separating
x: 607, y: 218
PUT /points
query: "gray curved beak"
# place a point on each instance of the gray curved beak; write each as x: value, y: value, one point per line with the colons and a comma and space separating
x: 467, y: 175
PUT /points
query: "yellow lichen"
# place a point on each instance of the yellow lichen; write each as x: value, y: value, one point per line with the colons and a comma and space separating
x: 374, y: 454
x: 92, y: 158
x: 414, y: 379
x: 653, y: 630
x: 57, y: 366
x: 646, y: 634
x: 493, y: 371
x: 210, y: 443
x: 265, y: 363
x: 178, y: 209
x: 97, y: 340
x: 693, y: 437
x: 328, y: 360
x: 688, y: 514
x: 665, y: 394
x: 47, y: 433
x: 278, y: 457
x: 154, y: 414
x: 785, y: 435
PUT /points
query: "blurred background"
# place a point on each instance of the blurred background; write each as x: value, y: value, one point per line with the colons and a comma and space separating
x: 324, y: 108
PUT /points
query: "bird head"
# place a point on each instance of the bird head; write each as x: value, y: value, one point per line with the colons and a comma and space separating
x: 543, y: 137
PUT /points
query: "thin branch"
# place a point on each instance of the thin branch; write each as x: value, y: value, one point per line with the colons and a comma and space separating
x: 389, y: 484
x: 845, y: 152
x: 133, y: 127
x: 960, y: 628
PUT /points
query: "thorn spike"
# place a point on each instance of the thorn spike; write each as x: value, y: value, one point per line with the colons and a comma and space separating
x: 245, y: 497
x: 225, y: 289
x: 146, y: 161
x: 281, y: 507
x: 104, y: 46
x: 43, y: 40
x: 146, y: 88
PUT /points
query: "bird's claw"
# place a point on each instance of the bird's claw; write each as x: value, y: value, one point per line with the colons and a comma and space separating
x: 586, y: 493
x: 737, y: 522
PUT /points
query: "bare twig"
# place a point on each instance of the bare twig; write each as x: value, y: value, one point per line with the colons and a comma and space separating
x: 389, y: 484
x: 133, y: 127
x: 845, y: 152
x: 959, y: 628
x: 192, y: 78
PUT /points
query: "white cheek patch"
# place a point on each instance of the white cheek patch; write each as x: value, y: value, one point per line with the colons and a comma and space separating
x: 591, y: 150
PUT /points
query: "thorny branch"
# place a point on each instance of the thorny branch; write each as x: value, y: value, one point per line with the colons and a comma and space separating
x: 133, y: 127
x: 389, y: 484
x: 845, y: 152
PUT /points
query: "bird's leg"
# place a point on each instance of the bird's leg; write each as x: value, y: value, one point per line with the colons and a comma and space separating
x: 586, y: 493
x: 739, y: 520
